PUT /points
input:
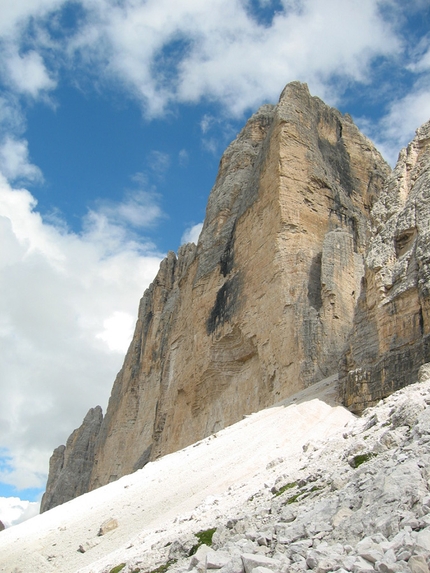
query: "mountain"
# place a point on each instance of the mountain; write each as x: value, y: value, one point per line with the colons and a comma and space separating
x: 313, y: 260
x: 301, y: 486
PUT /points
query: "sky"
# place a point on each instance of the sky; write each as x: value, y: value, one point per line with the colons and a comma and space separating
x: 113, y: 118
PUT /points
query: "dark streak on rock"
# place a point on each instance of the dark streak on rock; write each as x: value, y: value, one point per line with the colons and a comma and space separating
x: 225, y: 304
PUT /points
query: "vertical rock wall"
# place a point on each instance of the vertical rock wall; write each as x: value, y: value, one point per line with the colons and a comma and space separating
x: 71, y: 465
x: 262, y: 306
x: 391, y: 335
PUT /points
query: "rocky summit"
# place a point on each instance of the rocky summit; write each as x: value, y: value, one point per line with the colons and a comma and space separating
x: 313, y: 262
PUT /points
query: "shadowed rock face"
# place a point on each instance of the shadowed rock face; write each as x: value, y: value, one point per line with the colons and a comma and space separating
x: 263, y: 305
x: 391, y: 335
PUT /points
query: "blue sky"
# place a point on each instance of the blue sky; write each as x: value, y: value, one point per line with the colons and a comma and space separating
x: 114, y: 115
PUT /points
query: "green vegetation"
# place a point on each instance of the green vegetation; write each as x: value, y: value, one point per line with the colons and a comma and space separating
x: 163, y: 568
x: 361, y: 459
x: 285, y: 487
x: 302, y: 493
x: 204, y: 538
x: 293, y: 498
x: 118, y: 568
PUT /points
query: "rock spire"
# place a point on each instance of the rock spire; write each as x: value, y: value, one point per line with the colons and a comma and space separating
x: 262, y: 307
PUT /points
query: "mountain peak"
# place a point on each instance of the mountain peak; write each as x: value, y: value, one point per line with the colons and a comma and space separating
x: 305, y: 227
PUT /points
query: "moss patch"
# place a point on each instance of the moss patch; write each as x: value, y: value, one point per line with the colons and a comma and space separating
x: 204, y: 538
x: 285, y: 488
x: 163, y: 568
x: 118, y: 568
x: 361, y: 459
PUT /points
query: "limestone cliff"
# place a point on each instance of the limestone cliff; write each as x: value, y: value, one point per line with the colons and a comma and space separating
x: 263, y: 305
x: 391, y: 335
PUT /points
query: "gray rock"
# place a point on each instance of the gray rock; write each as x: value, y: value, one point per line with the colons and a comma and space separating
x: 70, y: 466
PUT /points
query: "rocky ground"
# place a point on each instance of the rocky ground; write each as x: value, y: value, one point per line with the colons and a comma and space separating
x: 359, y: 502
x: 354, y: 496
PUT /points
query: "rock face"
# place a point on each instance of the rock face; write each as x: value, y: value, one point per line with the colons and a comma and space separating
x: 391, y: 335
x: 263, y: 305
x: 74, y: 459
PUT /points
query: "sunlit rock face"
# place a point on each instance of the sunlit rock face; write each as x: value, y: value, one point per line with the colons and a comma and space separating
x: 263, y: 305
x: 391, y: 335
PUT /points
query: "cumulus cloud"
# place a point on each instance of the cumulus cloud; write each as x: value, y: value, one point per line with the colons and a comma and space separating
x: 14, y: 510
x: 164, y: 53
x: 14, y: 161
x: 66, y: 308
x: 28, y: 73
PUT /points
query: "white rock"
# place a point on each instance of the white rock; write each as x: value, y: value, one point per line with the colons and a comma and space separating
x: 216, y: 559
x: 423, y: 538
x: 342, y: 514
x: 199, y: 556
x: 362, y: 566
x: 250, y: 561
x: 418, y: 564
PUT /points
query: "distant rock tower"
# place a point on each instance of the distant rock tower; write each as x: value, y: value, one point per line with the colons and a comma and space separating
x: 391, y: 335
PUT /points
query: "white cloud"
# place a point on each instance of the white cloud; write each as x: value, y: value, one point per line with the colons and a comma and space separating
x: 192, y: 234
x: 65, y: 307
x: 28, y: 73
x: 398, y: 127
x: 139, y: 209
x: 118, y: 331
x: 15, y: 14
x: 163, y: 53
x: 189, y: 50
x: 14, y: 510
x: 207, y: 122
x: 14, y: 161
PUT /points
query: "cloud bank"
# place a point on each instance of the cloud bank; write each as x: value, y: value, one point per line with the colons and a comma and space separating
x: 14, y: 510
x: 67, y: 310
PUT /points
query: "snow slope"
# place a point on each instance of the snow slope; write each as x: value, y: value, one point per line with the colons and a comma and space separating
x: 181, y: 492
